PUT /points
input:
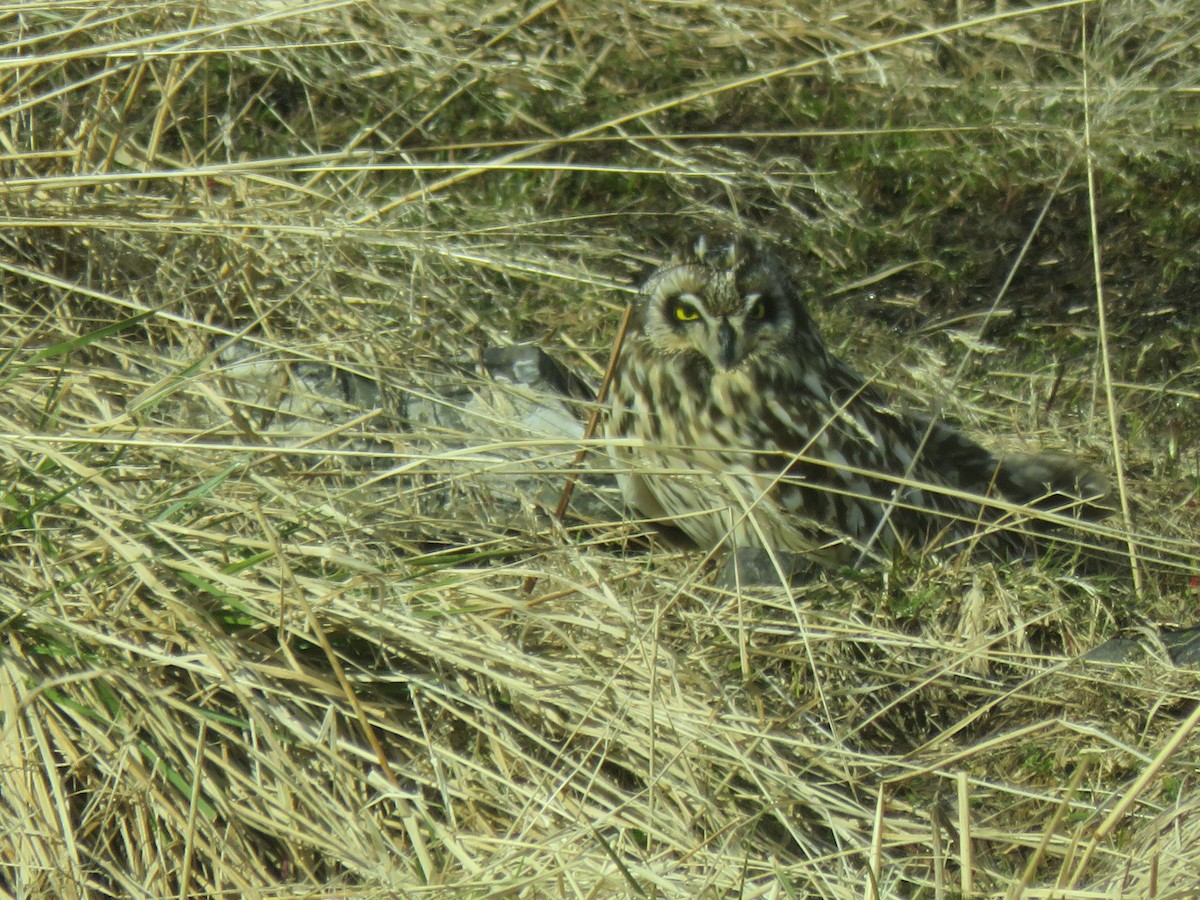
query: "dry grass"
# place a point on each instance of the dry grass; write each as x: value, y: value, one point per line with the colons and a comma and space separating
x: 255, y: 655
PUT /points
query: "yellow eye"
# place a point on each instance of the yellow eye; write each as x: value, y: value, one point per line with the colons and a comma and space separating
x: 685, y: 312
x: 758, y: 309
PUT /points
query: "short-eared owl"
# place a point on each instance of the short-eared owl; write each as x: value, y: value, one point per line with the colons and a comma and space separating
x: 732, y: 420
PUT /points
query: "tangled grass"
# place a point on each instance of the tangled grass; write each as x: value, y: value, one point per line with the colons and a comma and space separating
x: 245, y: 659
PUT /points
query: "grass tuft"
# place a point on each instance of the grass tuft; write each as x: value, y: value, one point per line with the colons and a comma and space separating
x: 266, y: 526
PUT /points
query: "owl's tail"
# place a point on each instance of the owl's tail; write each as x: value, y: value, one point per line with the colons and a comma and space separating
x: 1053, y: 482
x: 1049, y: 482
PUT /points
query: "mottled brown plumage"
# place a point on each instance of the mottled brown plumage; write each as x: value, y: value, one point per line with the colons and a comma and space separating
x: 732, y: 420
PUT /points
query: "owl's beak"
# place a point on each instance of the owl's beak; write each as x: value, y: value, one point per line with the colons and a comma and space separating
x: 727, y: 346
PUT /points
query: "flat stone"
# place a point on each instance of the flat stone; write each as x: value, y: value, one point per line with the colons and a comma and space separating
x: 1183, y: 644
x: 1116, y: 650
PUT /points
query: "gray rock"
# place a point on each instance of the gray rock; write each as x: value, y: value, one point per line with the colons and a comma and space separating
x: 753, y: 567
x: 1182, y: 646
x: 1115, y: 650
x: 532, y: 367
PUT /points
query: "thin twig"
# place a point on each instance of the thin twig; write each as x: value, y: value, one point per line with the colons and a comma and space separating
x: 564, y: 499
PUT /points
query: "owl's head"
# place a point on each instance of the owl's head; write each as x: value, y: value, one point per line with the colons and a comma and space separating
x: 725, y: 300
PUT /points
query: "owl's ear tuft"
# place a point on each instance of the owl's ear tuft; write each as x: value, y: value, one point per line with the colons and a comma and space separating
x: 734, y: 254
x: 716, y: 249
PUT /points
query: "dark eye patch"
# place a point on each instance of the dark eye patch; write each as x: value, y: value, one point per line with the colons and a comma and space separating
x: 758, y: 307
x: 682, y: 308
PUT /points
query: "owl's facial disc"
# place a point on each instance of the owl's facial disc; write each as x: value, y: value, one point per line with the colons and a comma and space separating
x: 716, y: 314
